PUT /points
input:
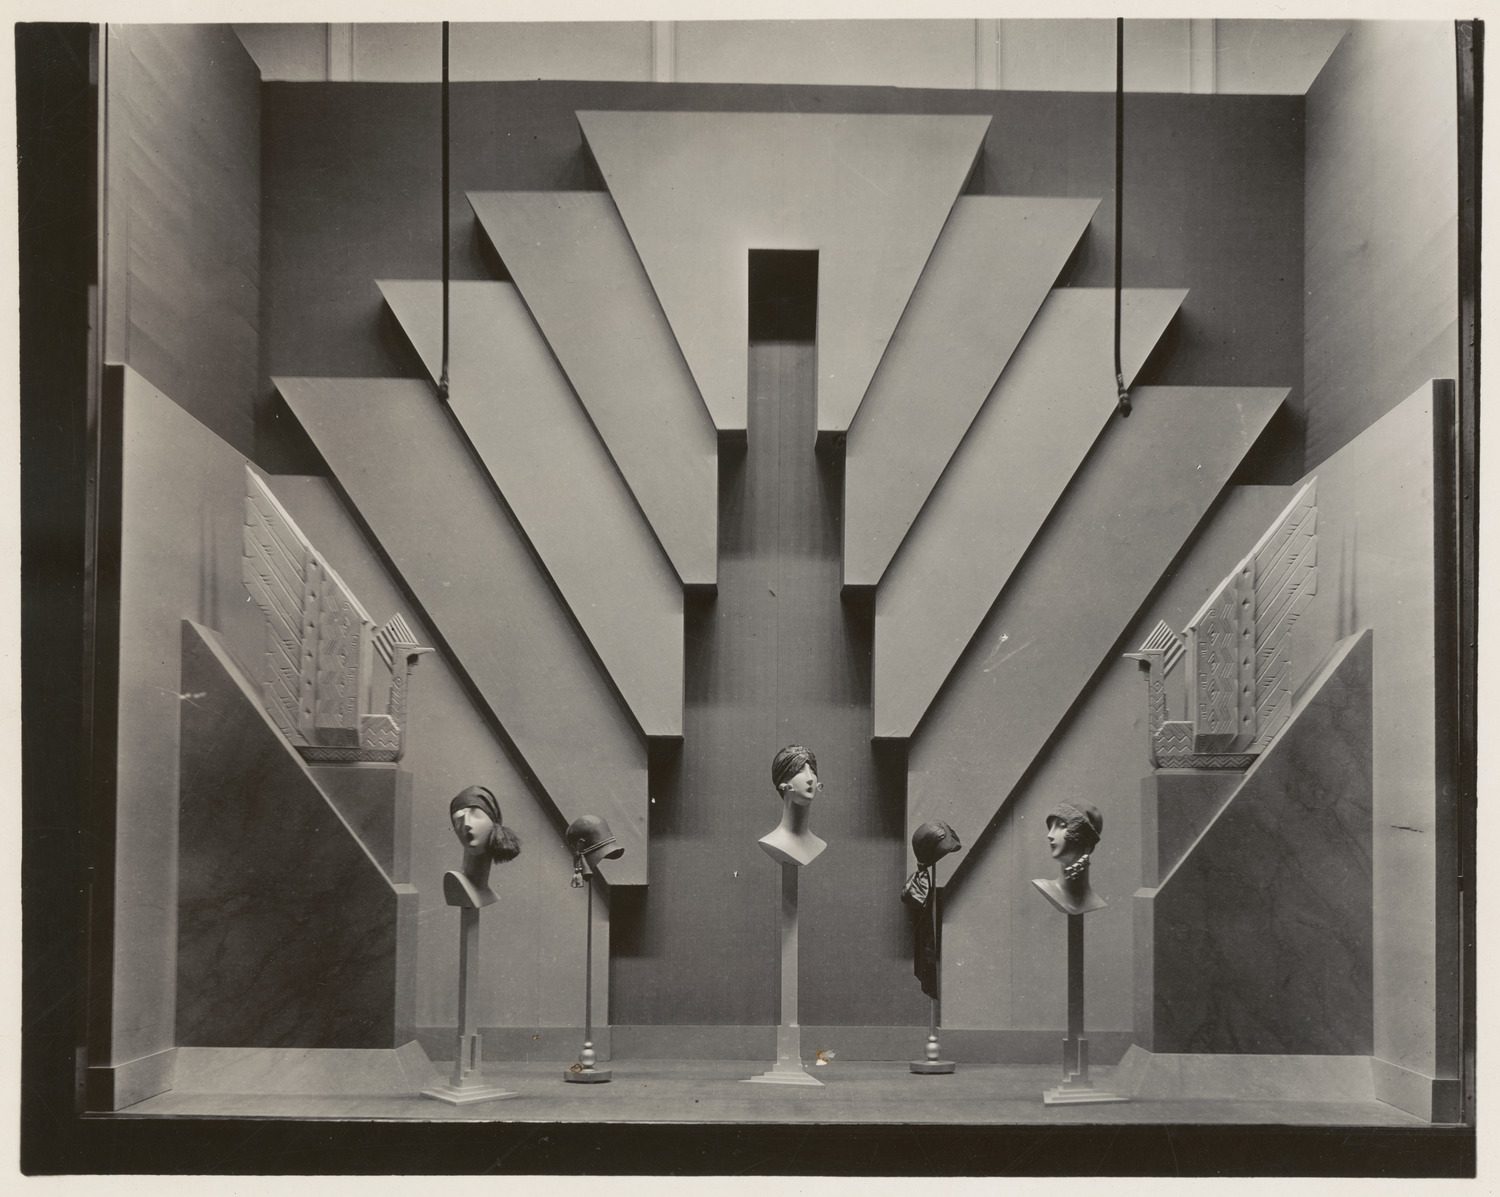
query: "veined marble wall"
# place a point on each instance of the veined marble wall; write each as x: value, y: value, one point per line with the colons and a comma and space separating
x: 1260, y: 940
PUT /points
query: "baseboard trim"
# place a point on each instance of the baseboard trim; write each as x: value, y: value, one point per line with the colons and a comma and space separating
x: 1249, y: 1077
x: 642, y: 1042
x: 518, y: 1043
x: 115, y: 1086
x: 1436, y: 1099
x: 311, y: 1071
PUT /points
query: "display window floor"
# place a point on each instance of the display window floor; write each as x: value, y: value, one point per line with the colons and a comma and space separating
x: 711, y: 1091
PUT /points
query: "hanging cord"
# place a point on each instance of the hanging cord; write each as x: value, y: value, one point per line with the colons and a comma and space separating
x: 1121, y: 390
x: 443, y: 378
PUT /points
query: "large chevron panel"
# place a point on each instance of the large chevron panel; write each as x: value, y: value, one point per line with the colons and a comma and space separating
x: 988, y: 274
x: 1143, y: 490
x: 699, y: 190
x: 396, y: 454
x: 1023, y: 448
x: 572, y: 259
x: 557, y: 477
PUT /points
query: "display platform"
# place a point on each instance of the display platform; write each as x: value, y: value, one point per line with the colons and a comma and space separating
x: 709, y: 1091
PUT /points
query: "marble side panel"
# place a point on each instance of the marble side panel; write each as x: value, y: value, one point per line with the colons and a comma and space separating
x: 1176, y: 805
x: 182, y: 515
x: 288, y: 932
x: 367, y: 796
x: 1263, y: 934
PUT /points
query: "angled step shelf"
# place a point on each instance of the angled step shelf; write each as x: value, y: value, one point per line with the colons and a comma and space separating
x: 430, y: 506
x: 558, y: 480
x: 1129, y: 511
x: 579, y: 275
x: 699, y: 190
x: 1055, y: 398
x: 991, y: 269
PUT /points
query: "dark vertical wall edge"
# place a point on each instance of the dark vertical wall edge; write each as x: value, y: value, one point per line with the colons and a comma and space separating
x: 1447, y: 812
x: 1470, y: 44
x: 56, y: 111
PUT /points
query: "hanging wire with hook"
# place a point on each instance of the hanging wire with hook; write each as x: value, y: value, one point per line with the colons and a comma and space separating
x: 1121, y: 390
x: 442, y: 385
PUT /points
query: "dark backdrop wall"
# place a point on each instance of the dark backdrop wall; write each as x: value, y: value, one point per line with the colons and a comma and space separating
x: 1213, y: 202
x: 352, y: 195
x: 182, y: 185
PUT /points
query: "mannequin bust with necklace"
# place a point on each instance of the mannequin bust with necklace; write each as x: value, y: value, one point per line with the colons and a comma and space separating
x: 794, y: 773
x: 1072, y: 835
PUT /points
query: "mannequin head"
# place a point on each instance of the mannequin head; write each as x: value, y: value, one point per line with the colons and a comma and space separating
x: 590, y: 840
x: 933, y: 841
x: 476, y: 820
x: 1073, y: 831
x: 794, y: 773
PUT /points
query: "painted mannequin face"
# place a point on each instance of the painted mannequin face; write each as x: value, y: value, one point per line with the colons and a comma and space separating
x: 1057, y: 838
x: 473, y: 828
x: 803, y: 786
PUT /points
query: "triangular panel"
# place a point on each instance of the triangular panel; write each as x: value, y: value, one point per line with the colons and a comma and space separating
x: 1127, y: 513
x: 1023, y: 449
x: 988, y: 274
x: 699, y: 190
x: 430, y: 506
x: 571, y: 257
x: 559, y: 481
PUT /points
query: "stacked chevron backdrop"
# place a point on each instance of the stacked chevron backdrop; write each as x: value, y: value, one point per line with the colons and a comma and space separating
x: 557, y: 519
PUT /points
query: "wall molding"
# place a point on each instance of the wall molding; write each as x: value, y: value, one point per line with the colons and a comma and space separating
x: 115, y: 1086
x: 663, y: 51
x: 1431, y: 1097
x: 738, y: 1042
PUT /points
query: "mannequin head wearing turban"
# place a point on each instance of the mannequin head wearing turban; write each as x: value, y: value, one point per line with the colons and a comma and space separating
x: 794, y: 773
x: 476, y: 820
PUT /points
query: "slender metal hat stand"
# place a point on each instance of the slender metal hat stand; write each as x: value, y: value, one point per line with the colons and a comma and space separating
x: 584, y: 1072
x: 932, y: 1063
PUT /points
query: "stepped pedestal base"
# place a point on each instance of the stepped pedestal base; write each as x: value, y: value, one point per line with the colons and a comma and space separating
x: 1066, y: 1095
x: 788, y: 1069
x: 463, y: 1095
